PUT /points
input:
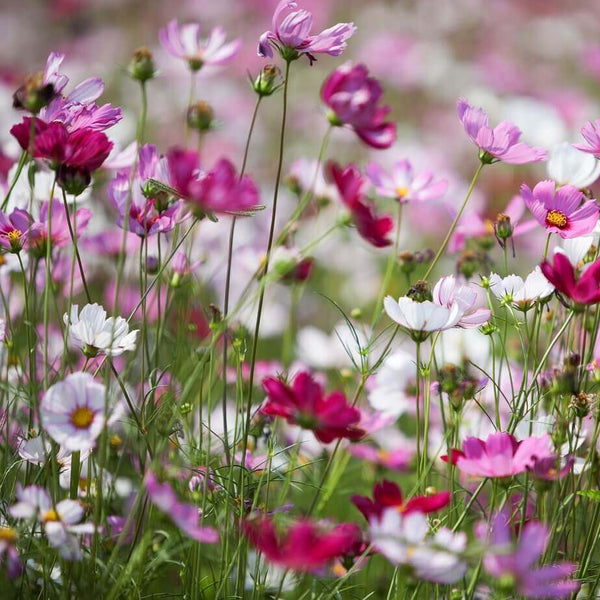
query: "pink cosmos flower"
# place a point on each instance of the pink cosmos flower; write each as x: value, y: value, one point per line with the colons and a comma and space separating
x: 548, y: 468
x: 585, y: 290
x: 500, y: 143
x: 150, y: 210
x: 514, y: 561
x: 387, y: 494
x: 303, y: 403
x: 353, y: 98
x: 184, y: 42
x: 565, y: 210
x: 305, y: 546
x: 591, y: 133
x: 291, y: 37
x: 59, y: 228
x: 85, y: 148
x: 403, y: 185
x: 397, y: 459
x: 352, y: 186
x: 72, y: 411
x: 9, y: 553
x: 500, y: 455
x: 185, y: 516
x: 15, y: 230
x: 448, y: 291
x: 219, y: 190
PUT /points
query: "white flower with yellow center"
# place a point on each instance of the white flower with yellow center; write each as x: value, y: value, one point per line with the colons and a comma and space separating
x: 523, y: 294
x: 72, y: 411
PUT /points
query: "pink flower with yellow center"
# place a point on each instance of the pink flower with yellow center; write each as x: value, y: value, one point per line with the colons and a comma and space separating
x: 565, y: 210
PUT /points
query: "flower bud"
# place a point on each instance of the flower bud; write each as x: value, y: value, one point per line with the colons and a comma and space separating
x: 420, y: 292
x: 141, y: 67
x: 200, y: 116
x: 468, y: 264
x: 74, y: 180
x: 503, y: 228
x: 152, y: 265
x: 268, y: 81
x: 34, y: 94
x: 408, y: 262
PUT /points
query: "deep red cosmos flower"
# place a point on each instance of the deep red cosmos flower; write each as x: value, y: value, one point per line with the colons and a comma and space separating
x: 387, y: 494
x: 585, y: 290
x: 351, y: 186
x: 304, y: 403
x: 305, y: 546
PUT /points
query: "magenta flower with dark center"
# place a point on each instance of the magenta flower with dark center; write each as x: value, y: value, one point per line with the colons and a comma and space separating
x: 354, y: 99
x: 290, y: 35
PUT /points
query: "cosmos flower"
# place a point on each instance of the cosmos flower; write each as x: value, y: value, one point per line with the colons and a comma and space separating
x: 290, y: 35
x: 500, y: 455
x: 513, y: 562
x: 95, y: 334
x: 61, y: 522
x: 59, y: 226
x: 183, y: 41
x: 565, y: 210
x: 305, y: 546
x: 72, y: 411
x: 16, y: 230
x: 569, y: 166
x: 500, y: 143
x: 353, y: 98
x: 591, y: 133
x: 561, y: 274
x: 403, y: 185
x: 304, y: 403
x: 185, y: 516
x: 386, y: 494
x: 521, y: 294
x: 9, y: 555
x: 352, y: 186
x: 447, y: 292
x: 404, y: 539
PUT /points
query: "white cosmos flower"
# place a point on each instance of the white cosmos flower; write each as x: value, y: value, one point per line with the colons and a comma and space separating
x: 94, y: 333
x: 421, y: 316
x: 405, y: 540
x: 390, y: 394
x: 72, y: 411
x: 568, y: 165
x: 523, y: 294
x: 576, y: 249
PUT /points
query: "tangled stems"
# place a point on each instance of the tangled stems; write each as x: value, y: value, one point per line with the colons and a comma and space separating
x: 442, y: 248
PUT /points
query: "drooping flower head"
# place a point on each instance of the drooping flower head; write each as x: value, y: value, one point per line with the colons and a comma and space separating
x: 291, y: 35
x: 183, y: 41
x: 72, y: 411
x: 96, y: 334
x: 500, y: 143
x: 353, y: 98
x: 512, y: 562
x: 561, y: 274
x: 352, y: 188
x: 403, y: 185
x: 304, y: 403
x: 185, y: 516
x: 305, y: 546
x: 565, y: 210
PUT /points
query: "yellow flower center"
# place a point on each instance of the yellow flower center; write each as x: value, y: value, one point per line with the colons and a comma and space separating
x: 82, y: 418
x: 402, y: 192
x: 8, y: 534
x: 50, y: 515
x: 14, y: 235
x: 555, y: 218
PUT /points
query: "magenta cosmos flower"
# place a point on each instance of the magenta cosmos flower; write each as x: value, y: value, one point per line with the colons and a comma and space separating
x: 290, y: 35
x: 500, y: 455
x: 403, y: 185
x: 501, y: 142
x: 183, y: 41
x: 561, y: 274
x: 513, y: 563
x: 305, y: 546
x: 387, y: 494
x: 591, y: 133
x: 352, y: 187
x: 219, y: 190
x: 185, y: 516
x: 565, y: 210
x: 353, y: 98
x: 16, y: 230
x: 304, y: 403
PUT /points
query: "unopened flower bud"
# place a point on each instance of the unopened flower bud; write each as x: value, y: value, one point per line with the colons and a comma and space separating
x: 152, y: 265
x: 580, y: 404
x: 73, y: 180
x: 200, y: 116
x: 356, y: 313
x: 468, y: 264
x: 503, y: 228
x: 34, y: 94
x: 420, y: 292
x: 408, y: 262
x: 268, y: 81
x: 141, y: 67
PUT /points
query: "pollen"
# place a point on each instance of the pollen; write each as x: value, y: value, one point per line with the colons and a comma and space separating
x: 402, y: 192
x: 555, y: 218
x: 14, y: 235
x: 82, y: 417
x: 50, y: 515
x: 8, y: 534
